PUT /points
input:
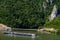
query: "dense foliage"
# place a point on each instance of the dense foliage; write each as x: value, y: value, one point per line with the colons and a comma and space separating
x: 21, y: 13
x: 24, y: 13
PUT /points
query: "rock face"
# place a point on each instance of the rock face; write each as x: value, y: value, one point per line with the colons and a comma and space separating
x: 48, y: 30
x: 4, y: 28
x: 54, y: 13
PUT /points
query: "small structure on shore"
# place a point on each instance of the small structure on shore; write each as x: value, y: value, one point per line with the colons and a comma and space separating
x: 4, y: 28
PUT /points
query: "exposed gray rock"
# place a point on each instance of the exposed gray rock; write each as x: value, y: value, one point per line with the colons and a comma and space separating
x: 51, y: 2
x: 44, y: 5
x: 54, y: 13
x: 47, y: 1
